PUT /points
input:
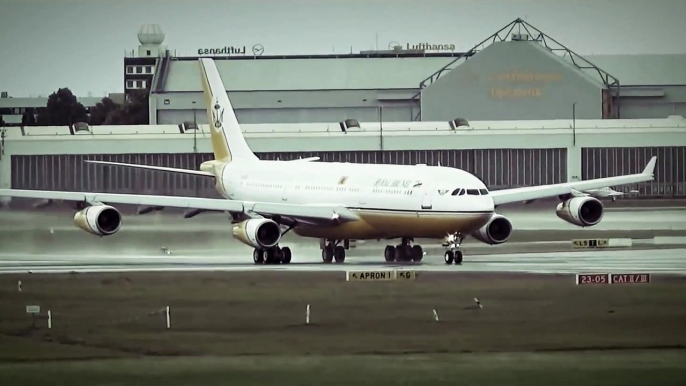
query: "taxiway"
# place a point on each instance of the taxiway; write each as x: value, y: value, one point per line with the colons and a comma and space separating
x: 49, y: 242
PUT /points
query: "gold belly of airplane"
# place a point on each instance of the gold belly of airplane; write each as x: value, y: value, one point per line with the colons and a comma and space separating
x: 387, y: 224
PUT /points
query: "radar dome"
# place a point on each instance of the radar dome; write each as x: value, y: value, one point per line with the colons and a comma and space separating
x: 150, y: 34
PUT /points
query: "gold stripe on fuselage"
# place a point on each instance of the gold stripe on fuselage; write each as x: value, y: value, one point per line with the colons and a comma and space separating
x: 379, y: 224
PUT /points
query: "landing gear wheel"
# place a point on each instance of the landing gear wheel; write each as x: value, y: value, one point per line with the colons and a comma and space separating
x: 458, y: 257
x: 417, y: 253
x: 400, y: 253
x: 286, y: 255
x: 449, y: 257
x: 268, y: 256
x: 327, y: 254
x: 257, y: 256
x: 339, y: 254
x: 389, y: 253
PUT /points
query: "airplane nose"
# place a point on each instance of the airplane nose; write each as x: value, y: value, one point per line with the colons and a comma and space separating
x: 489, y: 203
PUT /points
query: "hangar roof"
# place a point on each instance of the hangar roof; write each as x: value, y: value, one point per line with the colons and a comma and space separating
x: 644, y: 70
x: 309, y: 74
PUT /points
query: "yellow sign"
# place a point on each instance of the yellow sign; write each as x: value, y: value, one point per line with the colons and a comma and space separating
x: 405, y: 275
x: 590, y: 243
x: 524, y: 77
x: 379, y: 275
x: 506, y: 92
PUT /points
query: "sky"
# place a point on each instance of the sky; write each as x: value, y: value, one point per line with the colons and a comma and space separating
x: 80, y: 44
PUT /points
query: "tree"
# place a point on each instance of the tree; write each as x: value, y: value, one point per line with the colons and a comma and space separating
x: 132, y: 112
x: 28, y: 118
x: 62, y: 110
x: 102, y: 110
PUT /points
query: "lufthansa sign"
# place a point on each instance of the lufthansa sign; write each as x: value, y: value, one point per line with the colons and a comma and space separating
x: 257, y: 50
x: 379, y: 275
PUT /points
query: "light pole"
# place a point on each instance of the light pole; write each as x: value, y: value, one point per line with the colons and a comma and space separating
x: 574, y: 124
x: 195, y: 147
x: 195, y: 131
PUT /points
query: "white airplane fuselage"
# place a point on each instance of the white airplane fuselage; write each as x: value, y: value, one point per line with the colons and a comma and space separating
x: 391, y: 200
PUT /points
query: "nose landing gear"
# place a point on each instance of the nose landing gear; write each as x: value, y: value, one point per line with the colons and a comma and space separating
x: 454, y: 253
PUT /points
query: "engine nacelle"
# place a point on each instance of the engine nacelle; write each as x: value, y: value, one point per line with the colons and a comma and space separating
x: 101, y: 220
x: 581, y: 211
x: 258, y: 232
x: 496, y: 231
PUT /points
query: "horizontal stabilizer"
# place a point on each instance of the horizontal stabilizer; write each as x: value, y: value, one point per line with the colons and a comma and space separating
x: 158, y: 168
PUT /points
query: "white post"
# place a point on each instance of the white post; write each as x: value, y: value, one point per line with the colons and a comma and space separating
x: 19, y: 285
x: 168, y: 318
x: 478, y: 303
x: 49, y: 319
x: 307, y: 315
x: 435, y: 315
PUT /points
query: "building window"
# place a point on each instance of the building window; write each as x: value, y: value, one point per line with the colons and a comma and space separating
x: 129, y: 70
x: 148, y: 52
x: 129, y: 84
x: 139, y: 70
x: 148, y: 69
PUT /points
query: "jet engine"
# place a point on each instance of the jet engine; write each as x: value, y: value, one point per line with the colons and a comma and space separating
x: 581, y: 211
x: 496, y: 231
x: 258, y: 232
x: 100, y: 220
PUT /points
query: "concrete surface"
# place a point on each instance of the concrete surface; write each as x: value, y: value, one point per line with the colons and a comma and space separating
x: 47, y: 241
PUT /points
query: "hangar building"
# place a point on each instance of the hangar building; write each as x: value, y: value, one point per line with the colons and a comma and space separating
x: 521, y: 129
x: 518, y: 73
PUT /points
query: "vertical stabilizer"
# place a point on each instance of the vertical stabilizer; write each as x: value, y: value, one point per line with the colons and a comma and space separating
x: 228, y: 143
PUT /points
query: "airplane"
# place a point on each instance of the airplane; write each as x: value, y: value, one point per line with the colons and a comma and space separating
x: 332, y: 201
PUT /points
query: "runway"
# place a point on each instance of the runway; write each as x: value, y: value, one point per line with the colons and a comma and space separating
x: 665, y: 261
x: 43, y: 242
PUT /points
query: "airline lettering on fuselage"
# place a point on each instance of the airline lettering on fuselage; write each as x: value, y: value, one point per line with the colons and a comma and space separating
x: 384, y: 182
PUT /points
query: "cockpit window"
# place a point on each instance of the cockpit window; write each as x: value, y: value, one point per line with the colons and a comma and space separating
x: 458, y: 191
x: 473, y: 192
x: 483, y: 192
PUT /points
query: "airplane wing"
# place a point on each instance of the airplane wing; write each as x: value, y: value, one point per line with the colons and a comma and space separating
x: 150, y: 167
x: 506, y: 196
x: 303, y: 213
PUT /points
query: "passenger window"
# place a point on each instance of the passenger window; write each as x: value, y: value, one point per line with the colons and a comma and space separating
x: 456, y: 191
x: 473, y: 192
x: 483, y: 192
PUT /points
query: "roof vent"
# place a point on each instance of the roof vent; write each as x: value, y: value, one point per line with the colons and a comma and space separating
x: 457, y: 122
x: 348, y: 123
x: 519, y: 37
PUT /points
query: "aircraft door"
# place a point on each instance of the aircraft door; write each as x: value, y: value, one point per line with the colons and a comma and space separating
x: 427, y: 197
x: 285, y: 190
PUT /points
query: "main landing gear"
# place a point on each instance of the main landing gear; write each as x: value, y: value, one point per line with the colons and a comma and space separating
x: 332, y: 250
x: 272, y: 255
x: 406, y: 251
x: 454, y: 253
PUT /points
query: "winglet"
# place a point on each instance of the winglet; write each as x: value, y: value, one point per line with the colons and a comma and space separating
x: 650, y: 168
